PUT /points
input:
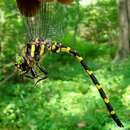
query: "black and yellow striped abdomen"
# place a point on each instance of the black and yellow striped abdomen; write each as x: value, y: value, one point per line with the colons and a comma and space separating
x: 39, y: 47
x: 60, y: 48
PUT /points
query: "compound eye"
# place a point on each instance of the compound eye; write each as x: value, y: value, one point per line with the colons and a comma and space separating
x: 19, y: 60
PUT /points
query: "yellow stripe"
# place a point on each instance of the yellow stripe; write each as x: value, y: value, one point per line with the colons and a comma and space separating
x: 112, y: 112
x: 58, y: 50
x: 79, y: 58
x: 65, y: 49
x: 68, y: 49
x: 53, y: 47
x: 98, y: 86
x: 106, y: 100
x: 89, y: 72
x: 32, y: 50
x: 42, y: 51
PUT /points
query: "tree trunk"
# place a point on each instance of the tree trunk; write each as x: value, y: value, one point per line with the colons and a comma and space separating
x: 123, y: 46
x: 128, y: 7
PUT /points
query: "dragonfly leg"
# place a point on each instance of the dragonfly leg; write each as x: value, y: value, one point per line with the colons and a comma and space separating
x: 32, y: 75
x: 44, y: 71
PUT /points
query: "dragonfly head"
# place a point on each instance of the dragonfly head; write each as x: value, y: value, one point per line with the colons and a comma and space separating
x: 21, y: 63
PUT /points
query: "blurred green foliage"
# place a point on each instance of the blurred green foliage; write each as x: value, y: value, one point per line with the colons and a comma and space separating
x: 67, y: 100
x: 100, y: 22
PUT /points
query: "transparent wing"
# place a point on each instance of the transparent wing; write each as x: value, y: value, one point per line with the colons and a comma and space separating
x: 48, y: 22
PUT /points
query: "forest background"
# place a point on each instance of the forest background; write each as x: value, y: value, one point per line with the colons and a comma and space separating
x: 68, y: 100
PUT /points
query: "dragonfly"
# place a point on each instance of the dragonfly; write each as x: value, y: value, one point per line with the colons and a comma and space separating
x: 36, y: 12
